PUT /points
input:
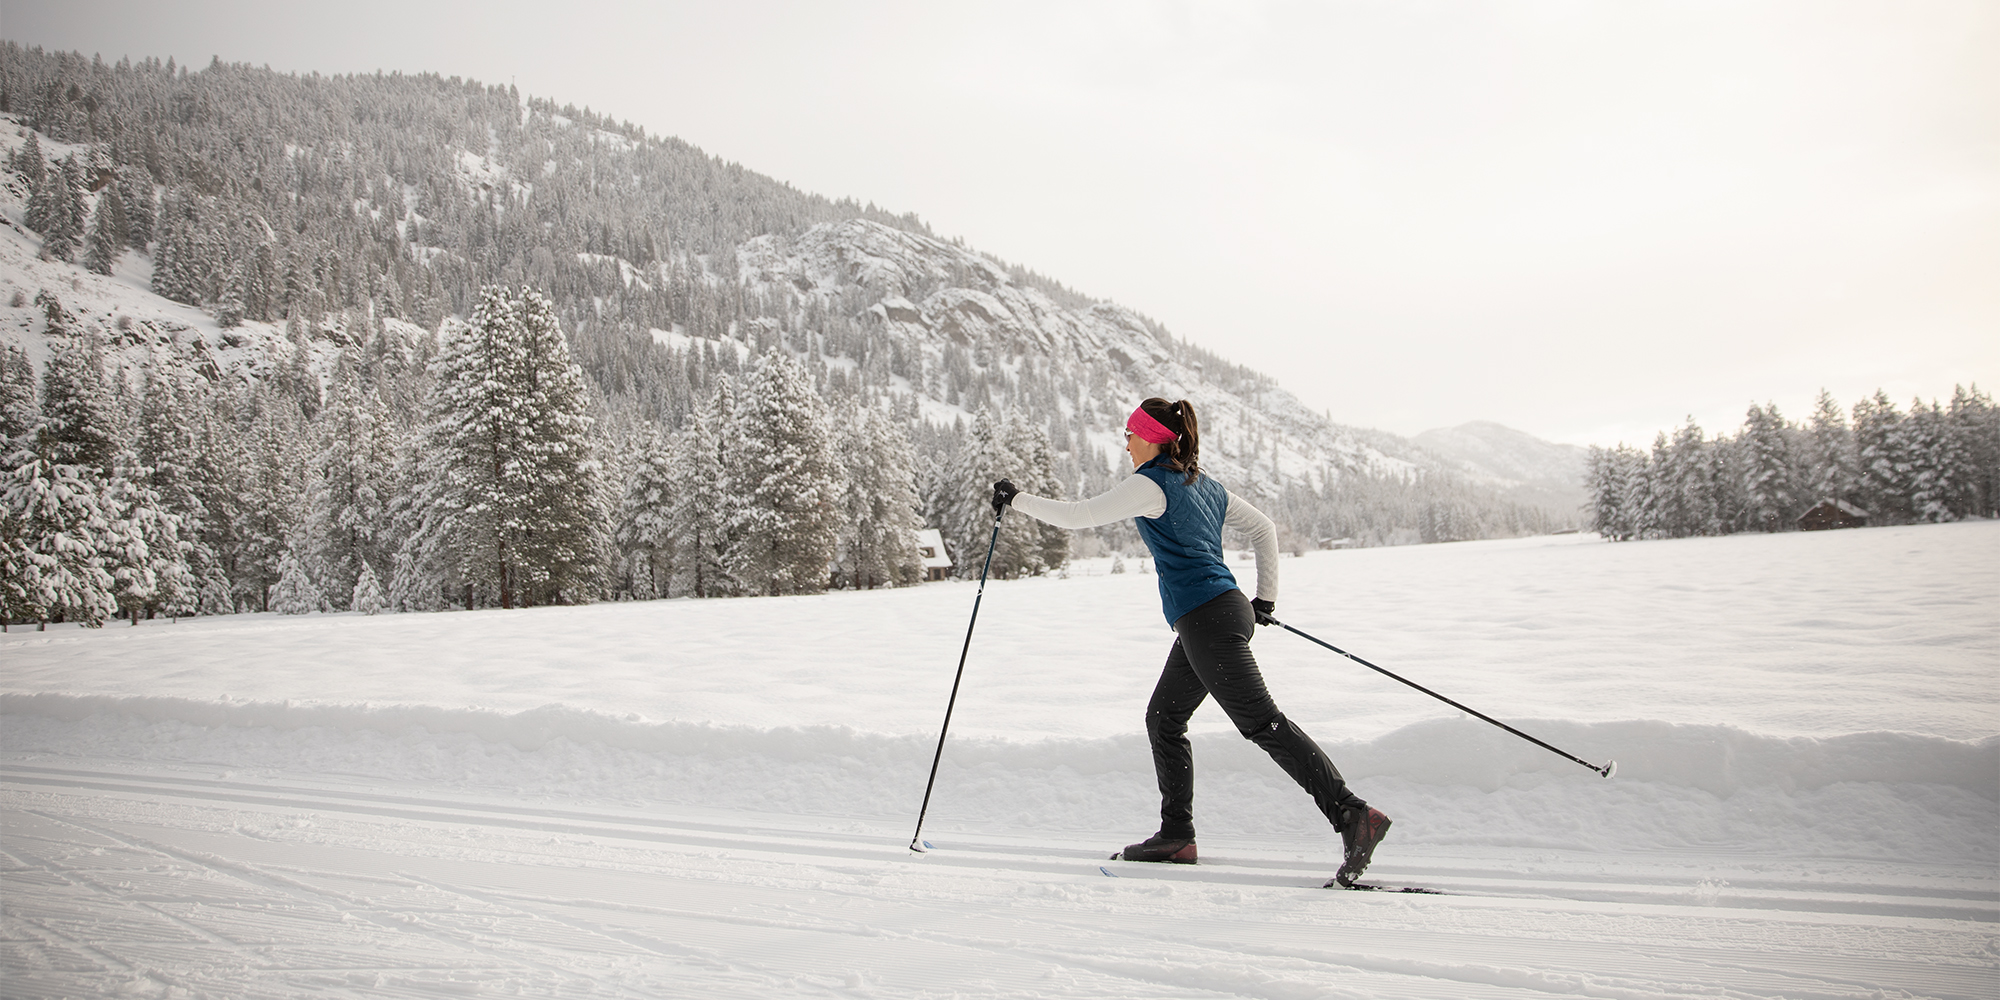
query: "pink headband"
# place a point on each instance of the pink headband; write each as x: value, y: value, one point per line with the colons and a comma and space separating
x: 1148, y: 429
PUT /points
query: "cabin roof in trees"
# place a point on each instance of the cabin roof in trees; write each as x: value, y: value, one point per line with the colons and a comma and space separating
x: 930, y: 545
x: 1832, y: 514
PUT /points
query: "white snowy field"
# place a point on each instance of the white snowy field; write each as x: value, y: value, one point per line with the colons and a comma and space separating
x: 713, y: 798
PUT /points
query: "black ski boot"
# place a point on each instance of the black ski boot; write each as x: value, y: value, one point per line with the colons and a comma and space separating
x: 1158, y: 848
x: 1365, y: 827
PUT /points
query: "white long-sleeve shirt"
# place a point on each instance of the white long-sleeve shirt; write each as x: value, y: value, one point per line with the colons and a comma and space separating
x: 1138, y: 496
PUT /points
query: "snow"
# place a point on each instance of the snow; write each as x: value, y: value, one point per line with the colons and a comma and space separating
x: 713, y: 798
x: 679, y: 340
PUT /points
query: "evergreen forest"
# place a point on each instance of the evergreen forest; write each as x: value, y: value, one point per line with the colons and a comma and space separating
x: 1935, y: 462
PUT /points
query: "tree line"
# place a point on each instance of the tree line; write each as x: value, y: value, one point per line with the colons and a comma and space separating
x: 463, y: 468
x: 1935, y: 462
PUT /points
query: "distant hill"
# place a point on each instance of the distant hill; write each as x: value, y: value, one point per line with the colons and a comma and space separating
x: 1521, y: 465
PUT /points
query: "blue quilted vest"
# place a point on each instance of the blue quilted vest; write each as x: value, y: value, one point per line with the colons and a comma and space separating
x: 1186, y: 540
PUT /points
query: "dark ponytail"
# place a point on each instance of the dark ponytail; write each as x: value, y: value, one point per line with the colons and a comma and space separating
x: 1183, y: 453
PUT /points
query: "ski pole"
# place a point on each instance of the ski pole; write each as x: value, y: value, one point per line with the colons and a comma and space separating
x: 916, y: 844
x: 1607, y: 770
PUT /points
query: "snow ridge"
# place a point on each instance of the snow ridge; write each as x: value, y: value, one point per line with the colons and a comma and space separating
x: 1448, y: 781
x: 1714, y: 758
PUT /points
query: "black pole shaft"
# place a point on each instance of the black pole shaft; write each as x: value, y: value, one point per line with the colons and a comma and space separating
x: 1605, y: 770
x: 967, y: 648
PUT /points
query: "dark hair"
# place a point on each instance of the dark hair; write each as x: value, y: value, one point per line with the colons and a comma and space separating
x: 1183, y: 453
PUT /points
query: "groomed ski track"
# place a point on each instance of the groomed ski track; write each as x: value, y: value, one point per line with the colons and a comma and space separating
x: 124, y: 879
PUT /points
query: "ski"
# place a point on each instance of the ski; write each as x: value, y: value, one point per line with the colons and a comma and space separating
x: 1335, y: 884
x: 1379, y: 887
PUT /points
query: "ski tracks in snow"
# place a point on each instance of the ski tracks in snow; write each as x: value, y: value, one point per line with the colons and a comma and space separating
x: 127, y: 881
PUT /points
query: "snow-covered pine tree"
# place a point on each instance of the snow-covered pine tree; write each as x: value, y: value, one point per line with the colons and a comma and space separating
x: 1938, y: 465
x: 563, y: 534
x: 259, y: 282
x: 111, y: 205
x: 1729, y: 476
x: 29, y: 162
x: 788, y: 480
x: 1037, y: 474
x: 79, y: 418
x: 1882, y: 453
x: 23, y: 595
x: 143, y: 550
x: 1654, y: 496
x: 1976, y: 421
x: 295, y: 593
x: 1684, y: 485
x: 229, y: 305
x: 937, y: 460
x: 1834, y: 475
x: 103, y: 246
x: 176, y: 257
x: 269, y: 495
x: 173, y: 423
x: 422, y: 568
x: 63, y: 237
x: 449, y: 530
x: 42, y: 190
x: 1604, y: 476
x: 368, y: 597
x: 351, y: 483
x: 135, y: 197
x: 212, y: 466
x: 963, y: 491
x: 988, y: 456
x: 413, y: 586
x: 645, y: 533
x: 704, y: 499
x: 1771, y: 495
x: 123, y: 548
x: 894, y: 511
x: 169, y: 245
x: 52, y: 537
x: 877, y: 545
x: 512, y: 504
x: 1635, y: 476
x: 18, y: 410
x: 55, y: 495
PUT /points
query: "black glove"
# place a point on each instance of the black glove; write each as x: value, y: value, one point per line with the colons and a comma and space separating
x: 1003, y: 494
x: 1264, y: 609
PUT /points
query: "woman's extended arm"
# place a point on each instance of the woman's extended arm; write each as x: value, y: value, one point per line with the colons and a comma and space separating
x: 1263, y: 537
x: 1136, y: 496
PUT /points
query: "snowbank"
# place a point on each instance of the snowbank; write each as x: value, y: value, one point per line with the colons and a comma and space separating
x: 1448, y: 781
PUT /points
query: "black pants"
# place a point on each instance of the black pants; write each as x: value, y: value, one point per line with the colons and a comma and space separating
x: 1211, y: 656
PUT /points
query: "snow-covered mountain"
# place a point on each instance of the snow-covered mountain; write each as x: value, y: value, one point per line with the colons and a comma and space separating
x: 1091, y: 361
x: 660, y: 259
x: 1520, y: 464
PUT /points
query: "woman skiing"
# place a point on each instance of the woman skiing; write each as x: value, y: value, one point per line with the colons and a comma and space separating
x: 1180, y: 513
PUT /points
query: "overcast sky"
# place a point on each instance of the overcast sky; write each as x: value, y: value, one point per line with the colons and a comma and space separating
x: 1584, y: 220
